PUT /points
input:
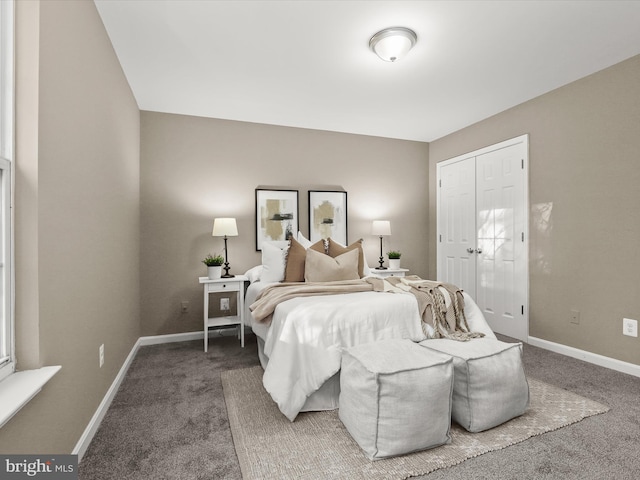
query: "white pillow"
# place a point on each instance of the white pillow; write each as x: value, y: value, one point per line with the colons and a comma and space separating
x: 254, y: 273
x: 273, y: 261
x: 304, y: 241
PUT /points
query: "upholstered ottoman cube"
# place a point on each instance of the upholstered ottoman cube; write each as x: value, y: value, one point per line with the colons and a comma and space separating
x: 395, y: 397
x: 489, y: 385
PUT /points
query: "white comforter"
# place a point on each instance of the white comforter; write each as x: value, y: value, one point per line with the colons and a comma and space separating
x: 305, y: 341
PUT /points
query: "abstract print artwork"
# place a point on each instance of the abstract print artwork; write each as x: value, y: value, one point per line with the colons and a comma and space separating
x: 276, y: 215
x: 328, y: 215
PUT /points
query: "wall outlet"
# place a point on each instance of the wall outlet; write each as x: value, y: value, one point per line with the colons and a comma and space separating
x: 101, y: 355
x: 575, y: 317
x: 630, y: 327
x: 224, y: 304
x: 184, y: 306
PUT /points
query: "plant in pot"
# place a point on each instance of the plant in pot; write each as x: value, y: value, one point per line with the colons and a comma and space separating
x: 214, y: 266
x: 394, y: 259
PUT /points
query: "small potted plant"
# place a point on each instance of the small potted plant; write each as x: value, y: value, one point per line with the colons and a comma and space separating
x: 214, y: 265
x: 394, y: 259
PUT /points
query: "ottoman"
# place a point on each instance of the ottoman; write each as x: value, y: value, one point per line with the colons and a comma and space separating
x: 489, y: 385
x: 395, y: 397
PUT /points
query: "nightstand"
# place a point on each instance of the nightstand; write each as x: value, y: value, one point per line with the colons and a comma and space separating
x: 223, y: 285
x: 390, y: 272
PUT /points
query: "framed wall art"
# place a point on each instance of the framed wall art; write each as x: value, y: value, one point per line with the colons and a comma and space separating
x: 276, y: 215
x: 328, y: 215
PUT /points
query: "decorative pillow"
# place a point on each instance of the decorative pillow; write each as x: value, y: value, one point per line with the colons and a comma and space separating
x: 336, y: 249
x: 273, y: 261
x: 294, y: 270
x: 323, y: 268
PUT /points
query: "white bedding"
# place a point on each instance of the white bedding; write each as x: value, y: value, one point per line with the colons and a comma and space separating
x: 304, y: 342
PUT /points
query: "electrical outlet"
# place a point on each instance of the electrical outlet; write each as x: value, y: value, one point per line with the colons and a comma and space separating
x: 224, y: 304
x: 629, y: 327
x: 101, y: 354
x: 575, y: 317
x: 184, y: 306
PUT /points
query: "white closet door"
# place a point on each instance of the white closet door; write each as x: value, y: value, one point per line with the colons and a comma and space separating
x: 482, y: 231
x: 500, y: 239
x: 457, y: 219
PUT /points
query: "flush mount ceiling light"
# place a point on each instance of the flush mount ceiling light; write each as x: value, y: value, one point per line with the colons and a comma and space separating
x: 393, y: 43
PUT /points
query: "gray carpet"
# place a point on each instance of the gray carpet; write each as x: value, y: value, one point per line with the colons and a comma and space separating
x: 169, y: 421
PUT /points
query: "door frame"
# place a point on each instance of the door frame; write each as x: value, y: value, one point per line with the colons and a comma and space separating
x: 524, y: 139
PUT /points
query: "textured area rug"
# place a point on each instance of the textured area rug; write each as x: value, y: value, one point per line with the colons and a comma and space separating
x: 317, y: 446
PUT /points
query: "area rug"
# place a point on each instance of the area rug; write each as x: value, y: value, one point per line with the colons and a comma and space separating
x: 317, y: 446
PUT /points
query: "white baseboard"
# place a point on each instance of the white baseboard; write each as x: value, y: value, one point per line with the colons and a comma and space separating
x: 596, y: 359
x: 94, y: 423
x: 170, y: 338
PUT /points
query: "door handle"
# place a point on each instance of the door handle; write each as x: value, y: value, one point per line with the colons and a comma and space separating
x: 479, y: 251
x: 471, y: 250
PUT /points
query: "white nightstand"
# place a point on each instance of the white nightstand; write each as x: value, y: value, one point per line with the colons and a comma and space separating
x: 221, y: 285
x: 390, y: 272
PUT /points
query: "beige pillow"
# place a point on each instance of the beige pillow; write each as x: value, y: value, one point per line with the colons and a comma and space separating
x: 319, y: 267
x: 294, y: 270
x: 336, y: 249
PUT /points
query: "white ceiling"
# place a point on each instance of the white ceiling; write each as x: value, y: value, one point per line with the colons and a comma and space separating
x: 307, y: 63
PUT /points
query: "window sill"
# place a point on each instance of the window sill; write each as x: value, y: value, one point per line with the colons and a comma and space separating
x: 20, y: 387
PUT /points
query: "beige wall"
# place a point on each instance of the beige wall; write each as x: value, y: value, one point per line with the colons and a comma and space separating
x: 584, y: 175
x: 77, y: 219
x: 195, y: 169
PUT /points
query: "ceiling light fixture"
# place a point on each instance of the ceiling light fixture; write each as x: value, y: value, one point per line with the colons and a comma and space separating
x: 393, y: 43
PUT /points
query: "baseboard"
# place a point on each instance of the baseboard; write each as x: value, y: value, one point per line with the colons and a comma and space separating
x: 94, y: 423
x: 596, y: 359
x: 170, y: 338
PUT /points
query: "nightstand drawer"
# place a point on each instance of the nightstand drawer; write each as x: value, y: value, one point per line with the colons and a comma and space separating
x: 232, y: 286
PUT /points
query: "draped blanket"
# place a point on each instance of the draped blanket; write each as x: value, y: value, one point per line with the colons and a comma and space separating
x: 270, y: 297
x: 441, y: 306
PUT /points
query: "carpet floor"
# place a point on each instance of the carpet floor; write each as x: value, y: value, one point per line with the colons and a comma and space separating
x: 169, y: 421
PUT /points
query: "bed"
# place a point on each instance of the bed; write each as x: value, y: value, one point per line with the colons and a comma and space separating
x: 300, y: 348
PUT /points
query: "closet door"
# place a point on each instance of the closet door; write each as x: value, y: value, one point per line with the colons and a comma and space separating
x: 500, y: 251
x: 482, y: 231
x: 457, y: 217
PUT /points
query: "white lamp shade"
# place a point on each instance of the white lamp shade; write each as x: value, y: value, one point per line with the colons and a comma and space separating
x: 381, y: 228
x: 391, y: 44
x: 224, y: 227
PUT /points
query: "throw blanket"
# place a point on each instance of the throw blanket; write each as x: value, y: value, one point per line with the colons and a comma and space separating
x: 262, y: 309
x: 441, y: 305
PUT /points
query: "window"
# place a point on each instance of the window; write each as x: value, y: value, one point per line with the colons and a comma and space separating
x: 7, y: 358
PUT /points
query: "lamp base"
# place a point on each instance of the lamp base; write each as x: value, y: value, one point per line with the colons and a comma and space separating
x: 226, y: 271
x: 381, y: 267
x: 226, y: 262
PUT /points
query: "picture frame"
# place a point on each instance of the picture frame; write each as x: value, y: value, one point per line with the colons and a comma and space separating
x: 276, y: 215
x: 328, y: 215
